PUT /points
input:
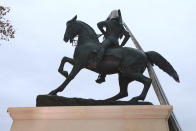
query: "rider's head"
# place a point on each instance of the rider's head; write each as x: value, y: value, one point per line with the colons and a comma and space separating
x: 115, y: 14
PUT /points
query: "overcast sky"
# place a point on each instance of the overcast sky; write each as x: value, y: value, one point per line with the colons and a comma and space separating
x: 29, y: 63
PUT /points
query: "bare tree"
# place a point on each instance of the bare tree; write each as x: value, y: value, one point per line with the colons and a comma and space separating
x: 6, y: 29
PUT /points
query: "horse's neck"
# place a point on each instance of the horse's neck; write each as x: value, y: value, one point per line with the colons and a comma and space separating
x: 86, y: 36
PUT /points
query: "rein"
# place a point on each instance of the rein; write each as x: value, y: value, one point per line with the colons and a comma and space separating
x: 74, y: 42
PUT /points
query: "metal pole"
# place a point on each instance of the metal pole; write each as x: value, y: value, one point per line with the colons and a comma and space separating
x: 173, y: 123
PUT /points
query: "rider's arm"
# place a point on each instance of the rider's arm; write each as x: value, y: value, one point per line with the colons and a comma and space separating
x: 101, y: 25
x: 127, y: 36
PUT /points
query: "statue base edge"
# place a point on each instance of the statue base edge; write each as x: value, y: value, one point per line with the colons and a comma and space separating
x: 91, y: 118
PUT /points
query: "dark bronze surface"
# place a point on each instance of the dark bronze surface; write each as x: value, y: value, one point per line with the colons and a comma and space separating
x: 47, y: 100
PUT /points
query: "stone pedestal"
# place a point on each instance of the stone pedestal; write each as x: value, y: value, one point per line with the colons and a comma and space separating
x: 91, y: 118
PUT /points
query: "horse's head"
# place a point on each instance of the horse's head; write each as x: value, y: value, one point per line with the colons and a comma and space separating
x: 72, y: 29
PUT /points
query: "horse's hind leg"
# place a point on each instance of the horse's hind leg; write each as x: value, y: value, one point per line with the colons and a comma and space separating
x: 123, y: 83
x: 63, y: 61
x: 146, y: 81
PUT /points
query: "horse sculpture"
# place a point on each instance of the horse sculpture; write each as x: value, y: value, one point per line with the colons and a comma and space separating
x: 129, y: 63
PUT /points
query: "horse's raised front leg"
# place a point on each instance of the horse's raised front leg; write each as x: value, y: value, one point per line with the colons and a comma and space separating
x: 63, y: 61
x: 74, y: 72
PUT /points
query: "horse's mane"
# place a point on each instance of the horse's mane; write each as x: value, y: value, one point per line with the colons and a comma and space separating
x: 92, y: 31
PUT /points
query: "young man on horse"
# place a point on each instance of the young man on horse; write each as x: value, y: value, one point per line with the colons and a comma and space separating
x: 114, y: 31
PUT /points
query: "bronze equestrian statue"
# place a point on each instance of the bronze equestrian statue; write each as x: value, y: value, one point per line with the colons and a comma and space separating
x: 129, y: 63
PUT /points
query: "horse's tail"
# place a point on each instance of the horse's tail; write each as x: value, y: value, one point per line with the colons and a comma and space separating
x: 162, y: 63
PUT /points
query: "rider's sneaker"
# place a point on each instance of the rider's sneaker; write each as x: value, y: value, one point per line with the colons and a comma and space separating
x: 100, y: 80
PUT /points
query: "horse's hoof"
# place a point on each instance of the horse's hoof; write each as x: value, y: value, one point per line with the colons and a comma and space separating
x: 53, y: 93
x: 134, y: 99
x: 109, y: 99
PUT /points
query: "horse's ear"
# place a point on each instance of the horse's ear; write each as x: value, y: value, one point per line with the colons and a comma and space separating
x: 75, y: 17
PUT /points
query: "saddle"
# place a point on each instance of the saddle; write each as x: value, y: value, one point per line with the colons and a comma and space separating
x: 93, y: 54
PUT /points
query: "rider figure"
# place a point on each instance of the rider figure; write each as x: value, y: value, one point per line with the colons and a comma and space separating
x: 114, y: 31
